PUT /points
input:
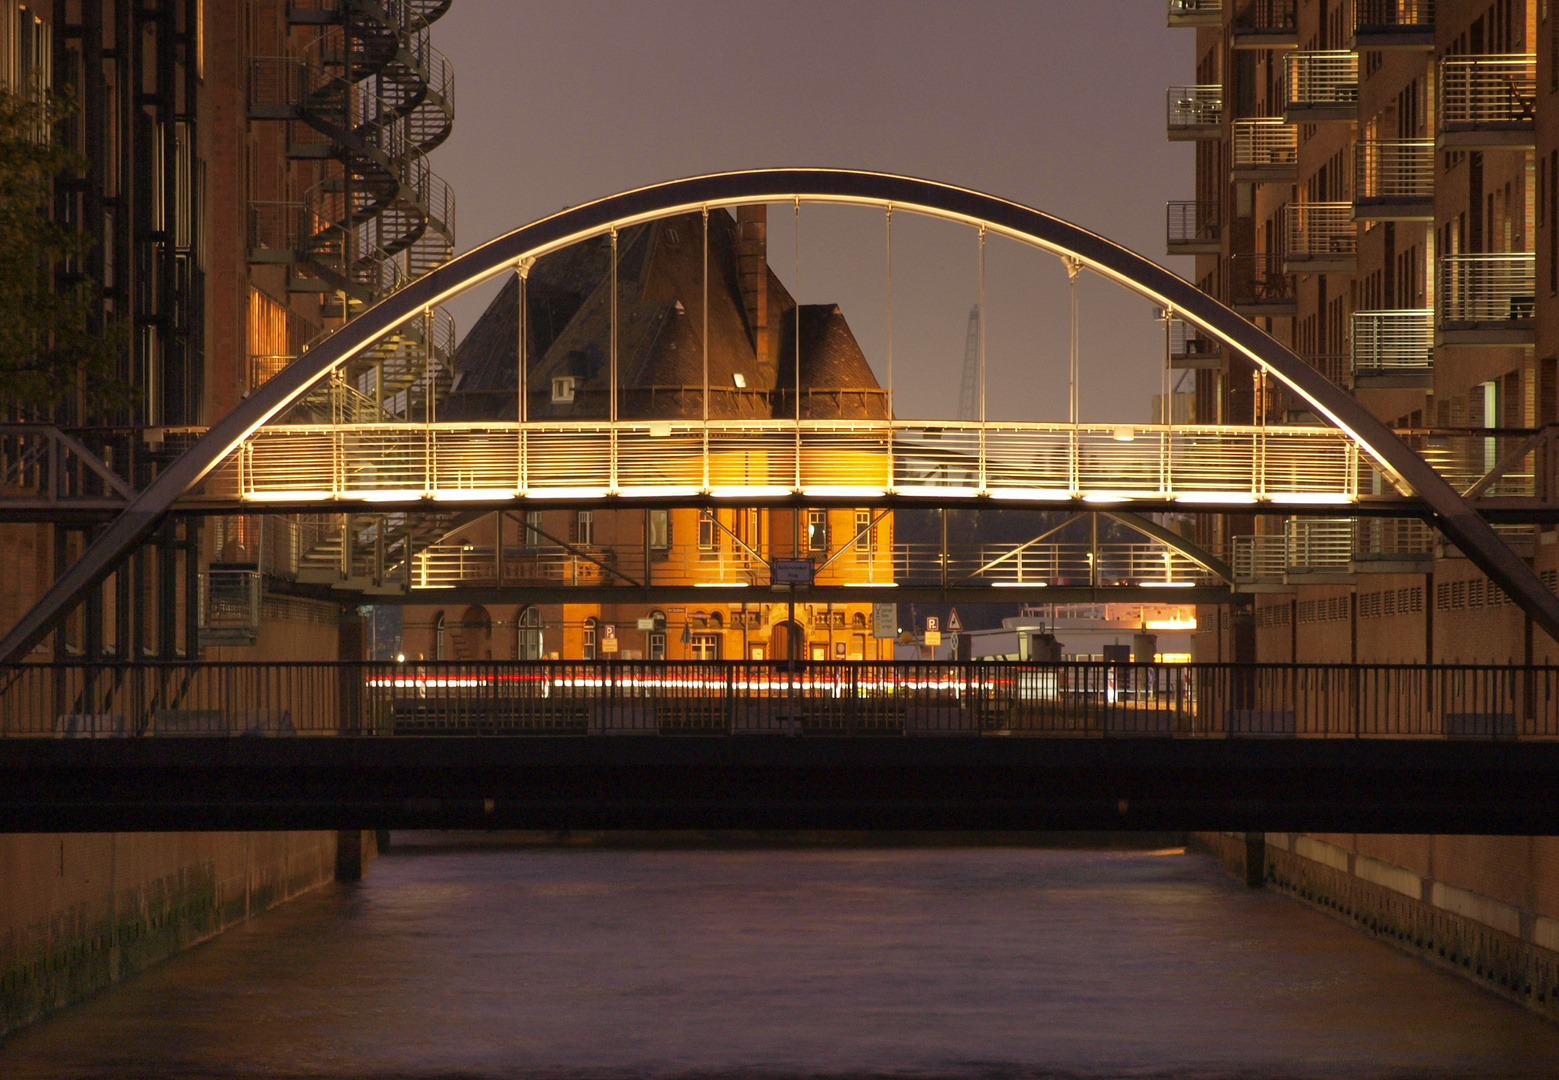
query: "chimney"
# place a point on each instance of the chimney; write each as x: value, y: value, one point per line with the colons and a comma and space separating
x: 752, y: 271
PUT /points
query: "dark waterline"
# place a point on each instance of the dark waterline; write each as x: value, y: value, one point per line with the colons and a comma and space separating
x: 990, y: 962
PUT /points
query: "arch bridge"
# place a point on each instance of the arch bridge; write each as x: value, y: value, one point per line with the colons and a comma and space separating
x: 299, y: 444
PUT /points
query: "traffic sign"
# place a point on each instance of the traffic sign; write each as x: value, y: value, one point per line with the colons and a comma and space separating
x: 791, y: 572
x: 885, y: 621
x: 933, y: 624
x: 953, y: 625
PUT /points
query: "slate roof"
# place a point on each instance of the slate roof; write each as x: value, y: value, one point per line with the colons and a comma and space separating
x: 660, y: 325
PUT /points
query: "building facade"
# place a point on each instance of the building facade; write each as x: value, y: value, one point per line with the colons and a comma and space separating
x: 256, y: 172
x: 1377, y: 186
x: 703, y: 330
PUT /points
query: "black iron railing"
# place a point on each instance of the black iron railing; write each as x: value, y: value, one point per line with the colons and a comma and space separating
x: 109, y: 700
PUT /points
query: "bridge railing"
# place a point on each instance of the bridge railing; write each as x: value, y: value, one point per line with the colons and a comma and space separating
x: 902, y: 698
x: 455, y: 461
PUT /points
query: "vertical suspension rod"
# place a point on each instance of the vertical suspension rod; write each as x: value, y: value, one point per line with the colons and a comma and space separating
x: 612, y: 395
x: 980, y: 385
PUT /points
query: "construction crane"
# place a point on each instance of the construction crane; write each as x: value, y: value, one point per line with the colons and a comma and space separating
x: 969, y: 392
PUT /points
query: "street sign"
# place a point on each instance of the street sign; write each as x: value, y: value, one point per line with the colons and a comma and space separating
x: 933, y: 624
x: 608, y: 638
x: 646, y: 624
x: 791, y: 572
x: 953, y: 625
x: 885, y: 621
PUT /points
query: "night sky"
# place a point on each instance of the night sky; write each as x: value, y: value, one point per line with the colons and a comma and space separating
x: 1059, y: 105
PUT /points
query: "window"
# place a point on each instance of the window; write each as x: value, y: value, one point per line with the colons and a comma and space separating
x: 584, y: 529
x: 588, y: 651
x: 657, y: 529
x: 817, y: 530
x: 704, y: 647
x: 658, y: 645
x: 740, y: 380
x: 563, y: 389
x: 533, y: 537
x: 865, y: 533
x: 528, y: 640
x: 708, y: 537
x: 438, y: 636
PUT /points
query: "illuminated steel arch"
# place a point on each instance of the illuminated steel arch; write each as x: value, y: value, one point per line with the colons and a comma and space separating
x: 1452, y: 514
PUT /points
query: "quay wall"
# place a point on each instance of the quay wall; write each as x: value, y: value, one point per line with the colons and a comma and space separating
x: 81, y: 911
x: 1485, y: 907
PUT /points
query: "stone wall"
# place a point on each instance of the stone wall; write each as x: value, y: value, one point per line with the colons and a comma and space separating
x: 81, y: 911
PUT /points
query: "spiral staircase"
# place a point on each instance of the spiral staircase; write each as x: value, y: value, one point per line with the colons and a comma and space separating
x: 368, y: 97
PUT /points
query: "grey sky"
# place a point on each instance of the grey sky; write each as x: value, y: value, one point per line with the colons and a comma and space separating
x: 1054, y: 103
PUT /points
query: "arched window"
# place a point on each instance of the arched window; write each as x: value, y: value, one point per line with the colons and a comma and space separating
x: 439, y: 646
x: 656, y: 643
x: 716, y: 620
x: 528, y: 643
x: 589, y: 639
x: 858, y: 620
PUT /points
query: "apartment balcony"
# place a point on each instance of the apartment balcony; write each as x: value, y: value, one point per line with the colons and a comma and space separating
x: 1487, y: 102
x: 1393, y: 349
x: 1319, y: 550
x: 1259, y: 285
x: 1486, y: 299
x: 1194, y: 112
x: 1193, y: 228
x: 1393, y: 24
x: 1394, y: 180
x: 1192, y: 350
x: 1322, y: 87
x: 1266, y: 149
x: 1321, y: 238
x: 1267, y: 24
x: 1195, y: 12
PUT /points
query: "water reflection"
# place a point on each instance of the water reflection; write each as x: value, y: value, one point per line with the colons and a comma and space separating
x: 515, y: 962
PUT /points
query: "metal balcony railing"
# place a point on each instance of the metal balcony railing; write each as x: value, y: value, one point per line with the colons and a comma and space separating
x: 1393, y: 14
x: 1259, y: 558
x: 1264, y: 143
x: 1385, y: 538
x: 1393, y: 342
x: 1320, y: 231
x: 1480, y: 290
x: 1257, y: 281
x: 1195, y: 12
x: 1394, y: 170
x: 1194, y: 112
x: 1275, y: 18
x: 1192, y: 228
x: 1319, y: 543
x: 229, y: 606
x: 1487, y: 93
x: 1191, y: 348
x: 1323, y: 82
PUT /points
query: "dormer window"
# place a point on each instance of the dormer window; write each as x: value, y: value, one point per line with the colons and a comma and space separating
x: 563, y: 389
x: 740, y: 380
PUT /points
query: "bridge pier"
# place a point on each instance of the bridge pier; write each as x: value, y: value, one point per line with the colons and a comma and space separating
x: 1255, y: 859
x: 355, y: 849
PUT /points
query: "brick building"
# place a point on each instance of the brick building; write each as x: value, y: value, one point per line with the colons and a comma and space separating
x: 762, y: 352
x: 1377, y: 186
x: 257, y: 171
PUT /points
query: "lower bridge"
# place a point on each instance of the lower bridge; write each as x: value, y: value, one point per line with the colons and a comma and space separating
x: 637, y: 745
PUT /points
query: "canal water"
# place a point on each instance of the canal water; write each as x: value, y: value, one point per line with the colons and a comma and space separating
x: 474, y: 961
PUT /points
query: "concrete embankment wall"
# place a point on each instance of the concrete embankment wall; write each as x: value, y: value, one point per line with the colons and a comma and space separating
x: 81, y: 911
x: 1486, y: 907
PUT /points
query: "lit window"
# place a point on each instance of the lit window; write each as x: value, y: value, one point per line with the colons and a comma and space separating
x: 817, y: 530
x: 585, y: 529
x: 533, y: 537
x: 740, y: 380
x: 563, y: 389
x: 708, y: 537
x: 588, y: 651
